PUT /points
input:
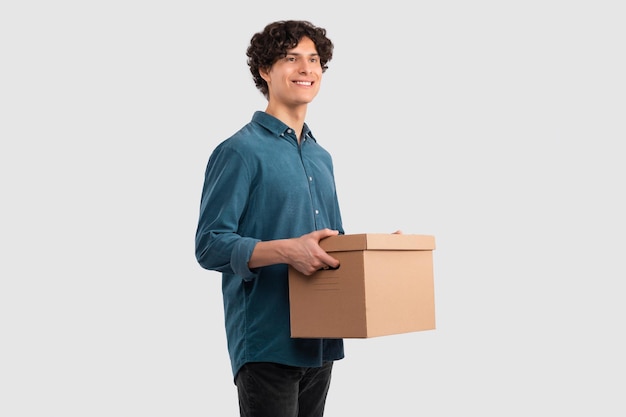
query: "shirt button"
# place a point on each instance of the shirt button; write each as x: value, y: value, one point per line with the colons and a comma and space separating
x: 317, y: 212
x: 288, y: 130
x: 310, y: 179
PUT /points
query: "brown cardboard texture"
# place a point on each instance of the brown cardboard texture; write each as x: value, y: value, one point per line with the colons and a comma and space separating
x: 384, y: 286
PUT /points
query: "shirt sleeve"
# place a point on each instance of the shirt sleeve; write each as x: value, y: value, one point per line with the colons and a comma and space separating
x: 224, y: 198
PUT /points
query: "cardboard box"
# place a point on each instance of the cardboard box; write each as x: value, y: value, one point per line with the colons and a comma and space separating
x: 383, y: 286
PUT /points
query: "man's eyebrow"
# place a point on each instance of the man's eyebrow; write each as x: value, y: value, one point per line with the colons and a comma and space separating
x: 298, y: 54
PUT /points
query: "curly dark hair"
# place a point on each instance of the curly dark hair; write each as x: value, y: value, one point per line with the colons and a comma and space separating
x: 272, y: 43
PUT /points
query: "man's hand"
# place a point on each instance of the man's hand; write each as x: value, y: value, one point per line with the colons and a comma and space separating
x: 306, y: 255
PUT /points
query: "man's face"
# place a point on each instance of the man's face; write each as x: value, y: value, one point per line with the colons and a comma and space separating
x: 295, y: 79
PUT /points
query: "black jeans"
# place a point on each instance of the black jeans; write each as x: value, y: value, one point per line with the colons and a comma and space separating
x: 275, y: 390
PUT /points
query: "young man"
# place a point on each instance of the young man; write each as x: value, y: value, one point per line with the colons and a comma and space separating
x: 269, y: 197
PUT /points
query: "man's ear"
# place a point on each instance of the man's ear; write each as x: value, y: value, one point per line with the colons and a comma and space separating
x: 264, y: 73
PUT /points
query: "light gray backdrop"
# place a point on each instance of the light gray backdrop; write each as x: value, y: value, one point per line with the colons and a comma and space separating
x: 498, y: 127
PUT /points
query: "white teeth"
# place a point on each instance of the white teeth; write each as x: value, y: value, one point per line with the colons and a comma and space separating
x: 303, y: 82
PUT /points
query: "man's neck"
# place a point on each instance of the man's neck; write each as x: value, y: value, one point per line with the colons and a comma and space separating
x: 291, y: 116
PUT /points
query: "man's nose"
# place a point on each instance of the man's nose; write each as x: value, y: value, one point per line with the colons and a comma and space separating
x: 306, y: 67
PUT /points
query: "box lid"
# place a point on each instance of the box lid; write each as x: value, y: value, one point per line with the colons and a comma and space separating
x: 377, y: 241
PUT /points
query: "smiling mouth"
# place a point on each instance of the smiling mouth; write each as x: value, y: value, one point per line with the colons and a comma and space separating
x: 305, y: 83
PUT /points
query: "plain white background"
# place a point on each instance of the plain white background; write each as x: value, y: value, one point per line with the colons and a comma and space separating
x: 498, y: 127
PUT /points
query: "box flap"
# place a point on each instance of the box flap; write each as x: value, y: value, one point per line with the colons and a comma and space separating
x: 377, y: 241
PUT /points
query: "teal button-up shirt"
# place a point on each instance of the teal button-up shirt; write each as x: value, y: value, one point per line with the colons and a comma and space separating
x: 261, y: 185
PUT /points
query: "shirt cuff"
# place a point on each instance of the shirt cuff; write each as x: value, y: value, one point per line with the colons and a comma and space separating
x: 241, y: 256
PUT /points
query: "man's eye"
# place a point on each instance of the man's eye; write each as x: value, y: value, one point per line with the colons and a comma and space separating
x: 290, y: 58
x: 314, y: 60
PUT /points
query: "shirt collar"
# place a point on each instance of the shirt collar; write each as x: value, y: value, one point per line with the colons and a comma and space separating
x: 277, y: 127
